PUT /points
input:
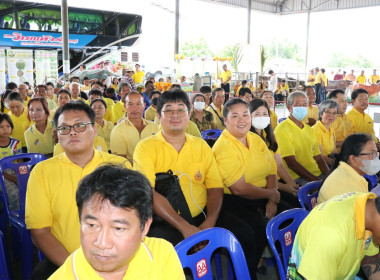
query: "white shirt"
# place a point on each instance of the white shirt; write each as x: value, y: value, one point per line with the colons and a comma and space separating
x: 272, y: 83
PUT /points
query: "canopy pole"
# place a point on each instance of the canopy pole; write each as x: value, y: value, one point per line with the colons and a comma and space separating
x: 65, y: 40
x: 249, y: 22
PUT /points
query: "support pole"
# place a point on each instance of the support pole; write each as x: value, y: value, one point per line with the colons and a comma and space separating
x: 176, y: 32
x: 65, y: 40
x: 307, y: 37
x: 249, y: 22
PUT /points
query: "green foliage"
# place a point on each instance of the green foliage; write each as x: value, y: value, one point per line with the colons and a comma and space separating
x: 235, y: 51
x: 263, y: 56
x: 359, y: 61
x: 198, y: 49
x: 284, y: 49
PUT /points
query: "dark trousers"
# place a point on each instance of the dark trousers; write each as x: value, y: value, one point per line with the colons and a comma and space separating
x: 226, y: 88
x: 43, y: 270
x: 320, y: 93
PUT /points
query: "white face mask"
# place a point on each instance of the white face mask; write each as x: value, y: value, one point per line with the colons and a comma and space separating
x: 371, y: 167
x: 199, y: 106
x: 260, y: 122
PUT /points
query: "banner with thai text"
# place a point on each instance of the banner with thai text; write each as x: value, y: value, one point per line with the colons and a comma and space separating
x: 46, y: 65
x: 20, y: 66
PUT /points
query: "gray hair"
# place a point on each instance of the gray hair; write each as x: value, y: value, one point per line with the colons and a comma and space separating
x: 294, y: 95
x: 74, y: 83
x: 327, y: 104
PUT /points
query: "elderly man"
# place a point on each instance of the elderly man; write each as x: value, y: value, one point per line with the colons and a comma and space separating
x: 298, y: 143
x: 23, y: 90
x: 115, y: 211
x: 50, y: 212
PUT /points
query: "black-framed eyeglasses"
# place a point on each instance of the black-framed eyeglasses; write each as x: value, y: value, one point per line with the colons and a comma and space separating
x: 78, y: 127
x: 373, y: 154
x: 170, y: 113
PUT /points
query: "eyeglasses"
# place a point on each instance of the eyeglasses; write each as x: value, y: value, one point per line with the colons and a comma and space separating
x: 330, y: 113
x: 78, y: 127
x: 372, y: 154
x: 170, y: 113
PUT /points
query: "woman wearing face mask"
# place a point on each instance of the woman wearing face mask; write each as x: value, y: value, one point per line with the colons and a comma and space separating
x: 151, y: 112
x: 261, y: 126
x: 358, y: 157
x: 202, y: 118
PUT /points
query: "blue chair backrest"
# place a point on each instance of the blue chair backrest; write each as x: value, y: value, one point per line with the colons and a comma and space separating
x: 308, y: 195
x: 22, y: 170
x: 211, y: 134
x: 372, y: 181
x: 282, y: 229
x: 281, y: 120
x: 200, y: 262
x: 4, y: 264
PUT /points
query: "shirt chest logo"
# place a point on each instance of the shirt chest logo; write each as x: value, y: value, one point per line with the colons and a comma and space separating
x: 198, y: 176
x: 36, y: 142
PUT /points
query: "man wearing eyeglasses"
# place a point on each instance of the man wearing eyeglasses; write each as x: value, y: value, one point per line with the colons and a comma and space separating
x: 50, y: 212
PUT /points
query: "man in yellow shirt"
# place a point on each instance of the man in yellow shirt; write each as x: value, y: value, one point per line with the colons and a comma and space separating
x: 115, y: 211
x: 311, y: 78
x: 360, y: 120
x: 216, y: 107
x: 282, y: 91
x: 361, y: 79
x: 86, y: 85
x: 129, y: 132
x: 225, y: 79
x: 138, y: 76
x: 118, y: 110
x: 334, y: 238
x: 298, y: 143
x: 373, y: 78
x: 50, y: 212
x: 342, y: 124
x: 321, y: 82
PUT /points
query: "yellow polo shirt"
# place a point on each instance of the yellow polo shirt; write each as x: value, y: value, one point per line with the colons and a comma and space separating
x: 38, y: 142
x: 50, y: 195
x: 238, y: 160
x: 118, y: 111
x: 109, y: 102
x: 343, y: 179
x: 191, y: 128
x: 311, y: 77
x: 301, y: 143
x: 20, y: 124
x: 137, y: 77
x: 361, y: 79
x: 125, y: 137
x: 361, y: 123
x: 318, y: 78
x: 26, y: 102
x: 105, y: 132
x: 273, y: 118
x: 155, y: 259
x: 219, y: 124
x: 342, y: 126
x: 195, y: 161
x: 150, y: 113
x: 374, y: 78
x: 99, y: 145
x: 325, y: 137
x: 312, y: 113
x: 332, y: 240
x: 226, y: 75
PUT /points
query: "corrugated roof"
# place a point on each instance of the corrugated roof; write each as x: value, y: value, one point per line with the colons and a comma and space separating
x: 298, y: 6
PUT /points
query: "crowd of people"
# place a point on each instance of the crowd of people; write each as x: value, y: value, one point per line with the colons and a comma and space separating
x: 250, y: 174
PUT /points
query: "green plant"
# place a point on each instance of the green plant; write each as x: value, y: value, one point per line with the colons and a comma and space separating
x: 234, y: 51
x: 263, y: 57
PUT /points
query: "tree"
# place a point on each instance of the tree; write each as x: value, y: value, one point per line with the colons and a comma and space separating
x: 284, y: 49
x: 359, y: 61
x: 235, y: 51
x: 198, y: 49
x: 263, y: 56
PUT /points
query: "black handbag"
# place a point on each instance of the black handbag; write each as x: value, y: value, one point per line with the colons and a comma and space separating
x: 167, y: 184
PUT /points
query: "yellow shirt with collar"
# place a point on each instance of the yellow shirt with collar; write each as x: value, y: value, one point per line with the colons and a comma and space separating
x: 195, y: 161
x: 273, y: 118
x: 50, y: 195
x: 191, y: 129
x: 318, y: 78
x: 20, y: 125
x: 311, y: 77
x: 109, y: 102
x: 99, y: 145
x: 125, y: 137
x: 138, y: 77
x: 238, y: 160
x: 361, y: 123
x: 118, y: 111
x: 225, y: 75
x: 150, y: 113
x: 374, y: 78
x: 343, y: 179
x: 155, y: 259
x: 38, y: 142
x: 85, y: 88
x: 105, y: 132
x: 342, y: 126
x: 219, y: 124
x: 26, y: 102
x: 301, y: 143
x: 312, y: 113
x: 361, y: 79
x: 332, y: 240
x: 325, y: 138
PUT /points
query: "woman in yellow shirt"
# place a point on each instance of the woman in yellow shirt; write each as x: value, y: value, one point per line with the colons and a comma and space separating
x: 358, y: 157
x: 325, y: 134
x: 268, y: 96
x: 104, y: 127
x: 312, y: 110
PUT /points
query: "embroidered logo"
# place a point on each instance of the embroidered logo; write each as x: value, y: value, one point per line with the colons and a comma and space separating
x: 201, y: 268
x: 288, y: 238
x: 23, y: 169
x: 198, y: 176
x: 36, y: 142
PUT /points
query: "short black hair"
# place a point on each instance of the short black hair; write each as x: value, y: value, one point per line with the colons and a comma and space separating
x: 148, y: 83
x: 358, y: 91
x: 270, y: 72
x: 50, y: 84
x: 133, y: 92
x: 65, y: 91
x: 98, y: 100
x: 213, y: 93
x: 11, y: 86
x: 111, y: 90
x: 84, y: 66
x: 243, y: 81
x: 335, y: 92
x: 4, y: 116
x: 41, y: 85
x: 77, y: 105
x: 97, y: 83
x: 205, y: 89
x: 232, y: 102
x: 175, y: 86
x: 243, y: 91
x: 174, y: 95
x: 197, y: 95
x: 14, y: 95
x: 95, y: 91
x: 74, y: 77
x: 153, y: 93
x: 122, y: 187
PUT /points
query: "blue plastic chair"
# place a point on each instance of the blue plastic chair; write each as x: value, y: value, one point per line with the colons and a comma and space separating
x: 281, y: 120
x: 211, y: 134
x: 285, y: 235
x: 200, y: 262
x: 5, y: 272
x: 17, y: 217
x: 372, y: 181
x: 308, y: 194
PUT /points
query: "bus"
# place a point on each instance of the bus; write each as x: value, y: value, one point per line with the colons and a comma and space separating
x: 38, y: 26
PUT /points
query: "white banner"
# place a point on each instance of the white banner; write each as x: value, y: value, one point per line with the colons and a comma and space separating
x: 2, y: 69
x: 20, y: 66
x: 46, y: 66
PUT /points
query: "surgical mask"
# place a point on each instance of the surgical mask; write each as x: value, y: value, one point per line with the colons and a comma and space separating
x: 154, y: 101
x: 199, y: 106
x: 260, y: 122
x: 6, y: 105
x: 371, y: 167
x: 299, y: 113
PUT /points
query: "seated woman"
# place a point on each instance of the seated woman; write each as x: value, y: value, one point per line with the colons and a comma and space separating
x: 358, y: 157
x: 39, y: 137
x: 248, y: 171
x: 261, y: 126
x: 312, y: 110
x: 151, y: 112
x: 261, y: 87
x: 325, y: 134
x: 268, y: 96
x: 104, y: 127
x: 202, y: 118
